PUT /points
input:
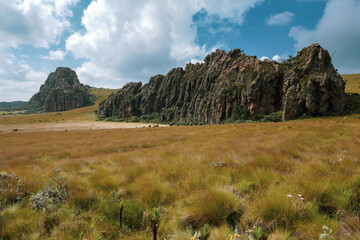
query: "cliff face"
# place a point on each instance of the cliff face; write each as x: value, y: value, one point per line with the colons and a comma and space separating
x: 234, y: 85
x: 62, y: 91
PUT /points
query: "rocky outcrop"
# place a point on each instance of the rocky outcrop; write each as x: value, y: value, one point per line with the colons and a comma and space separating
x: 235, y: 86
x: 62, y: 91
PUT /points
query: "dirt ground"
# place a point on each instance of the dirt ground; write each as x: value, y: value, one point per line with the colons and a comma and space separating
x: 40, y: 127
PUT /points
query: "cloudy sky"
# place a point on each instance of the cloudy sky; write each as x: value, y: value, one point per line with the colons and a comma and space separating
x: 112, y: 42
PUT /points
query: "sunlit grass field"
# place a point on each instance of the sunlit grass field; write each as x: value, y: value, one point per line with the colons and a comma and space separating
x: 352, y: 82
x: 281, y: 180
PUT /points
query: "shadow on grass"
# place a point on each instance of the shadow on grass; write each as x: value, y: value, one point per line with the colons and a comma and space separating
x: 353, y: 103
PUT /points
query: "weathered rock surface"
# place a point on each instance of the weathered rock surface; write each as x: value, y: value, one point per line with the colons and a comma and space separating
x: 235, y: 86
x: 62, y: 91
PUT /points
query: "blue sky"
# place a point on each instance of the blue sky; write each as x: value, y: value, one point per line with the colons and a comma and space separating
x: 112, y: 42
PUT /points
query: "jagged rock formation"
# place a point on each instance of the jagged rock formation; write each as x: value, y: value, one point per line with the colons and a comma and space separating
x: 62, y: 91
x: 235, y: 86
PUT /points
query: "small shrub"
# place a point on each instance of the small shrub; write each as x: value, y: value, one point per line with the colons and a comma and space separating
x: 257, y: 117
x: 54, y: 192
x: 153, y: 219
x: 327, y: 234
x: 274, y: 117
x: 11, y: 188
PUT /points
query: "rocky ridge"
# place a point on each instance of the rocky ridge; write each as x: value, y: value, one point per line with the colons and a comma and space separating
x: 234, y: 86
x: 62, y: 91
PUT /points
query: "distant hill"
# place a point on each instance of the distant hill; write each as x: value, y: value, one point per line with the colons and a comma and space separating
x: 4, y: 105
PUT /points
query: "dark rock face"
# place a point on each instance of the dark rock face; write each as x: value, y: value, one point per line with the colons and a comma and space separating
x: 62, y: 91
x: 235, y: 86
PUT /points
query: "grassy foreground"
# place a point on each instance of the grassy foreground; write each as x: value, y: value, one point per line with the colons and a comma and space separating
x: 274, y: 180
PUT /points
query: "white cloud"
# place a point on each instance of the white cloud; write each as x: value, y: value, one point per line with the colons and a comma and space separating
x: 277, y: 58
x: 19, y: 81
x: 39, y: 23
x: 214, y: 31
x: 232, y: 10
x: 338, y: 31
x: 35, y: 22
x: 57, y: 55
x: 280, y: 19
x: 133, y: 40
x: 311, y: 0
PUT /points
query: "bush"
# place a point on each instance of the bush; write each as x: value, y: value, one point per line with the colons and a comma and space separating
x: 274, y: 117
x: 54, y: 192
x: 11, y: 188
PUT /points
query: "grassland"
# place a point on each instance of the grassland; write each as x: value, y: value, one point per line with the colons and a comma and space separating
x: 221, y: 175
x: 76, y: 115
x: 352, y: 82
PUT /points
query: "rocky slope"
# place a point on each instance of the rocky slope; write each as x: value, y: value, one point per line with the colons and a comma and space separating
x: 235, y: 86
x: 62, y: 91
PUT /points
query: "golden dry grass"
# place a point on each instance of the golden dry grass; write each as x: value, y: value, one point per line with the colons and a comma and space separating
x: 177, y: 169
x: 219, y: 174
x: 352, y: 82
x: 75, y: 115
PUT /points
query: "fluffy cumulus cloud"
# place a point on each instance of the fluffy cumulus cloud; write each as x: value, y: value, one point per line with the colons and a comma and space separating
x: 280, y: 19
x: 18, y: 81
x: 57, y: 55
x: 276, y: 58
x: 34, y: 22
x: 132, y: 40
x: 338, y: 31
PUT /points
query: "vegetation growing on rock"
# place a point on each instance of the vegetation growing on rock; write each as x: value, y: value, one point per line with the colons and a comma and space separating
x: 62, y: 91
